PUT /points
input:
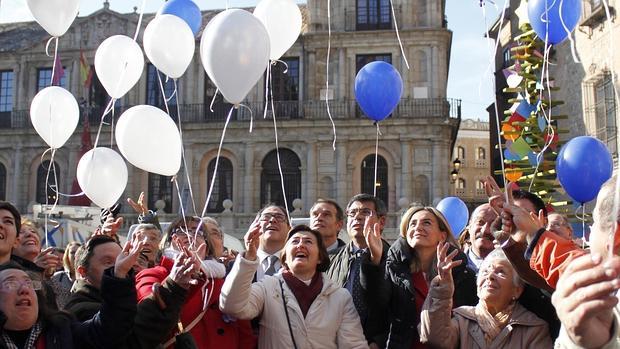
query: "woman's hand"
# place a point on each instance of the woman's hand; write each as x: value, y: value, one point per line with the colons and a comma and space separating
x: 252, y: 240
x: 445, y: 263
x: 140, y: 207
x: 184, y: 268
x: 47, y: 260
x: 127, y: 258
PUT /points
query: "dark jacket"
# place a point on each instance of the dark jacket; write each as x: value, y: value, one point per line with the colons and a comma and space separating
x: 339, y: 273
x: 152, y: 324
x: 398, y: 296
x: 61, y: 331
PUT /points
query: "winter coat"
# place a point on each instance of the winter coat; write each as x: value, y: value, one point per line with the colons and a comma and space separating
x: 215, y: 329
x: 398, y: 296
x: 442, y: 330
x: 151, y: 324
x: 61, y: 331
x: 331, y: 321
x: 339, y: 273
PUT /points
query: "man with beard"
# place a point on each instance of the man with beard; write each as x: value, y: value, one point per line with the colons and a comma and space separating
x: 480, y: 235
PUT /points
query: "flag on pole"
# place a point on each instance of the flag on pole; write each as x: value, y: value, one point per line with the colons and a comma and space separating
x: 59, y: 72
x: 86, y: 72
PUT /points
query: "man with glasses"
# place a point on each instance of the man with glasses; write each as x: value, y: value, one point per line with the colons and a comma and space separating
x: 365, y: 254
x: 273, y: 223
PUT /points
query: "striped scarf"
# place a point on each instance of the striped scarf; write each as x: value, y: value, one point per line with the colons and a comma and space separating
x: 30, y: 342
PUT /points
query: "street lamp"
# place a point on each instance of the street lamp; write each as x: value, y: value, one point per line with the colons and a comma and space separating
x: 454, y: 174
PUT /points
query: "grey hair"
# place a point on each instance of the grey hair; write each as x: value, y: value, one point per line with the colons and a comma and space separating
x: 146, y: 226
x: 498, y: 254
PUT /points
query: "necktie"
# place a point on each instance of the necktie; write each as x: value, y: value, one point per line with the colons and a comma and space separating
x: 271, y: 265
x: 356, y: 288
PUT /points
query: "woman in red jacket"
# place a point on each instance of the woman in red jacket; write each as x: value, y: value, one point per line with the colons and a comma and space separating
x: 200, y: 315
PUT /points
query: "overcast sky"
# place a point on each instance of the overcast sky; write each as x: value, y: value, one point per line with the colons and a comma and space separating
x: 470, y: 75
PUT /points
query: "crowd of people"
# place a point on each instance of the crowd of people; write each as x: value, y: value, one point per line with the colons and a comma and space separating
x: 513, y: 278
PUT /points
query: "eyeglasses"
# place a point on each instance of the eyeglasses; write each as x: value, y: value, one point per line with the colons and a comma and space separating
x: 266, y: 217
x: 14, y: 285
x: 364, y: 212
x: 181, y: 232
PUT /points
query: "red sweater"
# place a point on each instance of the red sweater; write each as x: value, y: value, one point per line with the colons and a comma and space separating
x: 214, y: 330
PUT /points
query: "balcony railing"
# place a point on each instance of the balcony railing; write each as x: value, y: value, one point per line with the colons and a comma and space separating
x: 284, y: 110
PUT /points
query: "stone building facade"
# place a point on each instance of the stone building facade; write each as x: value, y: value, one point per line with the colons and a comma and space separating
x: 414, y: 148
x: 472, y: 149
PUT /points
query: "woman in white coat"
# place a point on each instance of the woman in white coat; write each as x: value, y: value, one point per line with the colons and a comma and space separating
x: 299, y: 308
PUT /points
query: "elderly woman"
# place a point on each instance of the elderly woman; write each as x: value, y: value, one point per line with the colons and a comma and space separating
x: 200, y: 317
x: 62, y: 281
x: 26, y: 322
x: 410, y: 266
x: 299, y: 307
x: 497, y: 321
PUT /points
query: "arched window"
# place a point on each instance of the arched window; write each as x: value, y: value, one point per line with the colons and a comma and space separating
x: 421, y: 190
x: 223, y: 186
x: 460, y: 183
x: 460, y: 153
x: 270, y: 185
x: 47, y: 186
x: 2, y: 182
x: 160, y: 188
x: 368, y: 177
x: 481, y: 153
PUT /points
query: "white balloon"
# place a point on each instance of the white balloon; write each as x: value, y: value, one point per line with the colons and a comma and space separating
x: 148, y: 138
x: 102, y: 175
x: 55, y: 16
x: 169, y: 44
x: 54, y: 113
x: 282, y: 19
x: 235, y: 52
x: 119, y: 63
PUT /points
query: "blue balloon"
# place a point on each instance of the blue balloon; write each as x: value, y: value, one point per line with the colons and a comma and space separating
x: 187, y: 10
x: 544, y: 16
x: 583, y: 165
x: 378, y: 88
x: 456, y: 212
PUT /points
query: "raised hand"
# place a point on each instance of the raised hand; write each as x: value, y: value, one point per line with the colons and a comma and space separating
x: 184, y: 269
x: 585, y: 298
x: 445, y: 263
x: 140, y: 207
x: 127, y: 258
x: 252, y: 240
x: 372, y: 235
x: 47, y: 260
x: 110, y: 227
x: 520, y: 223
x: 494, y: 193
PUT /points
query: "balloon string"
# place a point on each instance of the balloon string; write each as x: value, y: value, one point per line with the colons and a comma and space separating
x: 217, y: 161
x: 189, y: 183
x: 569, y: 34
x: 112, y: 130
x: 374, y: 186
x: 267, y: 81
x: 275, y: 131
x: 491, y: 62
x: 582, y: 219
x: 55, y: 38
x: 329, y: 48
x: 283, y: 62
x: 400, y: 43
x: 497, y: 121
x: 135, y: 36
x: 107, y: 110
x: 213, y: 100
x: 251, y: 113
x: 183, y: 214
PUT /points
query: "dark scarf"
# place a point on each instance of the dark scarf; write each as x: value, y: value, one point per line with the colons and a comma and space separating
x: 305, y: 295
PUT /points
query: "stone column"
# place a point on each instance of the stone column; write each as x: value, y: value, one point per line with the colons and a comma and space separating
x: 406, y: 170
x: 18, y: 177
x: 248, y: 178
x: 437, y: 163
x: 311, y: 176
x: 341, y: 174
